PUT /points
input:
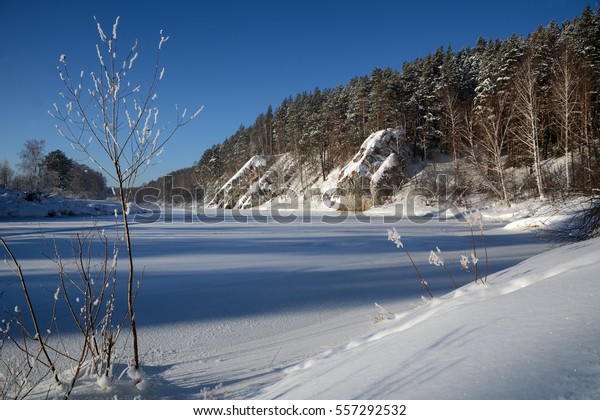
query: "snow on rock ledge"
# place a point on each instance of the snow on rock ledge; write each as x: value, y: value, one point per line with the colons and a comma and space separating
x: 234, y: 192
x: 377, y: 165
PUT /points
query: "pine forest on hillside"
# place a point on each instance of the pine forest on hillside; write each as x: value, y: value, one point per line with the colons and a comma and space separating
x: 522, y: 103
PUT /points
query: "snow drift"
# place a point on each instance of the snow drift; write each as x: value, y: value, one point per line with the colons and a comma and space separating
x: 532, y: 333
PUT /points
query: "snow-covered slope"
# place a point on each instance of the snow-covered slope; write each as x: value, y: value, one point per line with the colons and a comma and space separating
x: 267, y: 310
x: 533, y: 332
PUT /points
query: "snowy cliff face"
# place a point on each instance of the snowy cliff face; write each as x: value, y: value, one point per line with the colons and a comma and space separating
x: 234, y: 192
x: 260, y: 180
x: 371, y: 155
x: 389, y: 175
x: 376, y: 169
x: 274, y: 181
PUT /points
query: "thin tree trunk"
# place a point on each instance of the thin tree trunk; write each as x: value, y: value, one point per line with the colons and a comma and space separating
x: 130, y: 282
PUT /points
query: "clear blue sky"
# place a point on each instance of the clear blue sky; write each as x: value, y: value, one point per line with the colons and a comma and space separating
x: 233, y: 57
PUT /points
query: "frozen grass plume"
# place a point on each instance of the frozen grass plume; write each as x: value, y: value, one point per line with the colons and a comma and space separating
x: 473, y: 219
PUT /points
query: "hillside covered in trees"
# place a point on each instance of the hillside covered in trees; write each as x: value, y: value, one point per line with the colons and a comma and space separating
x: 525, y: 103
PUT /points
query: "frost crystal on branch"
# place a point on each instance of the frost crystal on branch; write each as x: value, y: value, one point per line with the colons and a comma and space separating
x: 100, y: 31
x: 132, y: 60
x: 114, y: 31
x: 196, y: 113
x: 99, y: 55
x: 163, y: 39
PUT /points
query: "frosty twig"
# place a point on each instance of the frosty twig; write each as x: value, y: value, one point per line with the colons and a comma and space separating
x: 394, y: 236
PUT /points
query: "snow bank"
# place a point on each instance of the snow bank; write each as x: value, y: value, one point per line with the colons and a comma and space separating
x: 536, y: 214
x: 16, y: 204
x: 532, y: 333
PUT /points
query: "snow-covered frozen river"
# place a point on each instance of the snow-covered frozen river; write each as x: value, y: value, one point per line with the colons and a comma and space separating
x: 227, y: 303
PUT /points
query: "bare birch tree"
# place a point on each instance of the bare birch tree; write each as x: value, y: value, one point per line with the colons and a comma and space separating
x: 494, y: 126
x: 31, y: 165
x: 527, y: 110
x: 566, y: 105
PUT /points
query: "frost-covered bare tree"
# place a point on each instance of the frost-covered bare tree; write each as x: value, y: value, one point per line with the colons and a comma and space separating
x: 114, y: 123
x: 31, y: 165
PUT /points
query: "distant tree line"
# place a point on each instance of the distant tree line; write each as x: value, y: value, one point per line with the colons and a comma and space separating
x: 53, y: 172
x: 497, y: 106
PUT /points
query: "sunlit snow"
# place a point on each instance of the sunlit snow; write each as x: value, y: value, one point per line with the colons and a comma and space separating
x: 238, y: 306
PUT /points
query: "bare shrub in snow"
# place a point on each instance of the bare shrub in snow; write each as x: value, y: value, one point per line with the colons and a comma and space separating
x: 34, y: 359
x: 381, y: 315
x: 87, y: 293
x: 88, y: 286
x: 467, y: 263
x: 475, y: 219
x: 583, y: 225
x: 211, y: 393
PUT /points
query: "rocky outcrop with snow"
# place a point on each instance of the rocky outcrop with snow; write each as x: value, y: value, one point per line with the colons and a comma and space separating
x: 274, y: 182
x: 373, y: 152
x: 239, y: 185
x: 376, y: 170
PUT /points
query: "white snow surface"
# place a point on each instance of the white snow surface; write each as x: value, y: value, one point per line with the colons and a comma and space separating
x: 14, y: 204
x: 239, y: 307
x: 390, y: 162
x: 532, y: 332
